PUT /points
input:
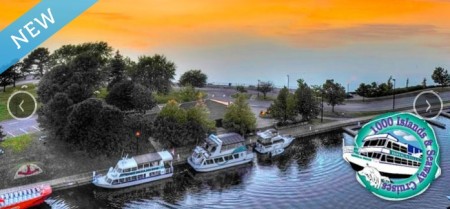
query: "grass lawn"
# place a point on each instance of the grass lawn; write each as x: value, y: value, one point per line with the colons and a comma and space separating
x: 4, y: 115
x: 17, y: 144
x: 268, y: 98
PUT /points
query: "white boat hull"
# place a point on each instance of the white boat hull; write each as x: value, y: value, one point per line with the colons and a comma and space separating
x: 100, y: 182
x: 215, y: 167
x: 384, y: 168
x: 265, y: 150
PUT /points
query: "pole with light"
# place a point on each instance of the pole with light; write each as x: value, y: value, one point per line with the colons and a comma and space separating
x: 321, y: 115
x: 393, y: 98
x: 138, y: 134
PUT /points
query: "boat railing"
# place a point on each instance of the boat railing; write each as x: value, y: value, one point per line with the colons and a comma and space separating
x: 348, y: 149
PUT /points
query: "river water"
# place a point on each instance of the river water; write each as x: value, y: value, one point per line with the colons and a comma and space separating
x: 310, y: 174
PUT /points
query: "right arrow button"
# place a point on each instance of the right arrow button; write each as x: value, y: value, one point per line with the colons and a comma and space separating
x: 428, y: 104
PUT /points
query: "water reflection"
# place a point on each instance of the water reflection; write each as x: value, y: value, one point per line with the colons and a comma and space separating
x: 310, y: 174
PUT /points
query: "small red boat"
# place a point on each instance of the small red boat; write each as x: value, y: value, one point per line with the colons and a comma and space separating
x: 25, y: 197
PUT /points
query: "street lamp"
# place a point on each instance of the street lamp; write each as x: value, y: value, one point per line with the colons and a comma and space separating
x: 288, y: 82
x: 138, y: 134
x: 393, y: 98
x: 257, y: 89
x: 321, y: 115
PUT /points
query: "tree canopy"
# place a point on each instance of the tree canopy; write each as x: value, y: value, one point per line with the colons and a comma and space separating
x: 175, y: 126
x: 155, y: 72
x: 284, y: 107
x: 239, y: 116
x: 265, y: 87
x: 306, y: 103
x: 117, y: 70
x: 334, y: 93
x: 195, y: 78
x: 440, y: 76
x: 37, y: 61
x: 128, y: 95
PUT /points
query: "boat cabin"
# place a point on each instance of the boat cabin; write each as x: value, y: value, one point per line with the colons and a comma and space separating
x: 217, y: 144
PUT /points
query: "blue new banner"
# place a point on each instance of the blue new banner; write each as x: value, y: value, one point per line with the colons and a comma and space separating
x: 36, y: 26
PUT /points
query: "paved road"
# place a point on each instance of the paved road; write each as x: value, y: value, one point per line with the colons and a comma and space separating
x: 17, y: 127
x: 14, y: 127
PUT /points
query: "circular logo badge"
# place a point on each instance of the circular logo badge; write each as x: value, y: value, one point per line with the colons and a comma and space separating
x: 396, y: 156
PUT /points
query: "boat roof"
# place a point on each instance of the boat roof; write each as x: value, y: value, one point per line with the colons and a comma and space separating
x: 225, y: 139
x: 382, y: 136
x: 268, y: 134
x: 145, y: 158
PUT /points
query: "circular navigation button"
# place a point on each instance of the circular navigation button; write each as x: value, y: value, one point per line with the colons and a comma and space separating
x: 21, y: 105
x: 428, y: 105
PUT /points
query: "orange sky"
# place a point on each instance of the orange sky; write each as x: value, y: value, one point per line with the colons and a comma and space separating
x: 143, y: 26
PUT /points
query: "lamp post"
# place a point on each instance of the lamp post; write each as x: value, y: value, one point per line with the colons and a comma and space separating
x: 288, y: 81
x: 393, y: 98
x: 257, y: 89
x: 321, y: 115
x: 138, y: 134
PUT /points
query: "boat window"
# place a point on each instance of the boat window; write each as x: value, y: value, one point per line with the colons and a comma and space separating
x: 418, y: 163
x: 389, y: 145
x: 236, y: 156
x: 364, y: 154
x: 218, y: 160
x: 133, y: 169
x: 141, y: 166
x: 119, y: 170
x: 390, y: 159
x: 376, y: 155
x: 404, y: 161
x: 209, y: 162
x: 409, y: 162
x: 133, y: 178
x: 213, y: 149
x: 396, y: 147
x: 404, y: 149
x: 383, y: 158
x: 108, y: 180
x: 397, y: 160
x: 115, y: 182
x: 122, y: 181
x: 126, y: 170
x: 381, y: 142
x: 366, y: 143
x: 373, y: 143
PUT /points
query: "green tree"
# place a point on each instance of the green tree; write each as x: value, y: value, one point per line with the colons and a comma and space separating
x: 194, y: 78
x: 37, y: 61
x: 117, y: 68
x: 2, y: 135
x: 175, y: 126
x: 95, y: 127
x: 334, y: 93
x: 65, y: 54
x: 53, y: 115
x: 6, y: 78
x: 241, y: 89
x: 127, y: 96
x: 79, y: 79
x: 363, y: 90
x: 265, y: 87
x: 307, y: 105
x: 424, y: 83
x: 284, y: 107
x: 239, y: 116
x: 154, y: 72
x: 440, y: 76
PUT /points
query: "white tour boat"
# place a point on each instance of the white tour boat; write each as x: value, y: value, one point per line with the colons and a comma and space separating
x: 137, y: 170
x: 270, y: 141
x: 385, y: 153
x: 220, y: 152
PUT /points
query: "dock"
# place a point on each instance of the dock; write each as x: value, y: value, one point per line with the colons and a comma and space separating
x: 349, y: 126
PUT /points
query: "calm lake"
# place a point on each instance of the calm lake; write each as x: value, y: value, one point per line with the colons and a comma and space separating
x: 310, y: 174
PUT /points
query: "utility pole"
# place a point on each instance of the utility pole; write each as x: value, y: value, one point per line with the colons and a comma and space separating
x: 393, y: 98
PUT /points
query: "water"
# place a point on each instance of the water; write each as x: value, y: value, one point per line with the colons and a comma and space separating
x: 310, y: 174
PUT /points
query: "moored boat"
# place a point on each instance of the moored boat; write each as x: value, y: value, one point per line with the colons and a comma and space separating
x: 137, y: 170
x: 219, y: 152
x: 25, y: 197
x: 270, y: 141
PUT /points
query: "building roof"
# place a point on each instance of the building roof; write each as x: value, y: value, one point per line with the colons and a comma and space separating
x: 216, y: 109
